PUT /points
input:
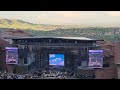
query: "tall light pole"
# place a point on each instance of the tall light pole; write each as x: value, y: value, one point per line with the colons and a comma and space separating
x: 114, y: 42
x: 115, y: 49
x: 114, y: 35
x: 0, y: 34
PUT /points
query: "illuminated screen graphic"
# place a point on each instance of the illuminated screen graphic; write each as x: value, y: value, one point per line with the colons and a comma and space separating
x: 56, y: 59
x: 96, y: 58
x: 11, y: 55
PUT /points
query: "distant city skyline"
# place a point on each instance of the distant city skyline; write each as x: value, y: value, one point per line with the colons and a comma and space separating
x: 65, y: 17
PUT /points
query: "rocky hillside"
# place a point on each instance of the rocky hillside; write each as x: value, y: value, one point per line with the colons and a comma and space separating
x: 108, y: 48
x: 15, y: 33
x: 19, y: 24
x: 3, y: 44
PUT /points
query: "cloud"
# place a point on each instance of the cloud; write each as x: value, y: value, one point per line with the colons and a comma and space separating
x: 77, y: 14
x: 68, y: 14
x: 60, y: 17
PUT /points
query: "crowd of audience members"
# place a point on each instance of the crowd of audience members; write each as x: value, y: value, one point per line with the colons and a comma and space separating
x: 45, y: 74
x: 39, y: 74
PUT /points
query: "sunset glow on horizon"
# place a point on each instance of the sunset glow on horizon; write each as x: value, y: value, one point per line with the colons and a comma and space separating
x: 65, y: 17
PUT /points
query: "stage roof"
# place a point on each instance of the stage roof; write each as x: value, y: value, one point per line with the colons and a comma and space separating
x: 38, y: 37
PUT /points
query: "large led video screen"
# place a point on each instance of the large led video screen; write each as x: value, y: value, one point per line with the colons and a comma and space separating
x: 95, y: 58
x: 56, y: 59
x: 11, y: 55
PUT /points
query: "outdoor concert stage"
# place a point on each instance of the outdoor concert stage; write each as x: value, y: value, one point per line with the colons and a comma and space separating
x: 68, y: 53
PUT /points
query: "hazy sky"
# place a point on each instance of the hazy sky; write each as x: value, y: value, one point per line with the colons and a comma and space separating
x: 65, y: 17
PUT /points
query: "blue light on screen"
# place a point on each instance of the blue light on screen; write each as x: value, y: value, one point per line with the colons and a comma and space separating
x: 56, y: 59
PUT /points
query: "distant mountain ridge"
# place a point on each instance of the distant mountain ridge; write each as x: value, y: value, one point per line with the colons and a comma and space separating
x: 20, y: 24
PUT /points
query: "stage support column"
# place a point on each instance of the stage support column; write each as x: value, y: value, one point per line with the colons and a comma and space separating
x: 39, y: 57
x: 76, y: 53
